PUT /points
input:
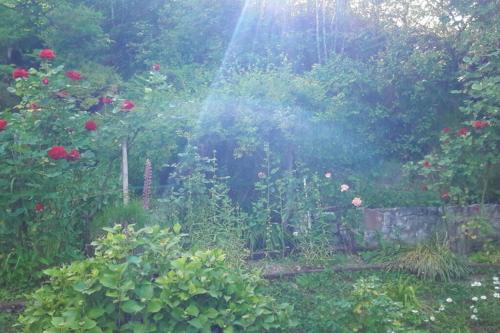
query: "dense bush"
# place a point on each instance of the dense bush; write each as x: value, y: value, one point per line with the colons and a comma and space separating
x: 141, y: 281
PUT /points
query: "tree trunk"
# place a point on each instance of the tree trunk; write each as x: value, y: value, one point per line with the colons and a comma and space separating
x: 323, y: 24
x: 318, y: 47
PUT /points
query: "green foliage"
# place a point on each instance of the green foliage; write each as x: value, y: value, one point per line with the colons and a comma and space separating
x: 331, y: 303
x: 48, y: 204
x: 430, y: 260
x: 140, y: 281
x: 326, y: 302
x: 69, y: 192
x: 291, y: 89
x: 370, y: 309
x: 464, y: 164
x: 404, y: 292
x: 490, y: 253
x: 82, y: 27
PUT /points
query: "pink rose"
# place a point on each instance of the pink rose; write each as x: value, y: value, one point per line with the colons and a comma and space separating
x: 357, y: 202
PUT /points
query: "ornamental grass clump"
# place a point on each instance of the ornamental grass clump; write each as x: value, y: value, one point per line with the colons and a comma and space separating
x: 143, y: 281
x: 430, y: 260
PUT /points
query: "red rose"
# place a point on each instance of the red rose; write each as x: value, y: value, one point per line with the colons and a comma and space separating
x: 3, y: 124
x: 446, y: 130
x: 445, y: 196
x: 47, y: 54
x: 39, y: 207
x: 156, y: 67
x: 73, y: 75
x: 34, y: 106
x: 20, y: 72
x: 90, y: 125
x: 426, y: 164
x: 73, y: 155
x: 128, y: 105
x: 106, y: 100
x: 45, y: 81
x: 57, y: 152
x: 463, y: 131
x: 478, y: 124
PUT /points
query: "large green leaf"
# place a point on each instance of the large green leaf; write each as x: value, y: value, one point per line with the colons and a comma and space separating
x: 131, y: 306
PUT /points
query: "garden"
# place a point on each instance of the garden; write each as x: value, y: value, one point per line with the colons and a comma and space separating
x: 249, y: 166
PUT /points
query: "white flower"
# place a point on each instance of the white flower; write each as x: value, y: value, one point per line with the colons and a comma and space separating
x: 475, y: 284
x: 426, y: 320
x: 495, y: 278
x: 496, y: 282
x: 474, y: 310
x: 432, y: 318
x: 474, y: 299
x: 449, y: 300
x: 496, y: 295
x: 473, y: 317
x: 441, y: 308
x: 483, y: 297
x: 328, y: 174
x: 472, y: 307
x: 497, y: 287
x: 295, y: 233
x: 344, y: 188
x: 414, y: 311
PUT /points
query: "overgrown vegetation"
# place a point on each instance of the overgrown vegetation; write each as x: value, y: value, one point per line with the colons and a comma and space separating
x: 377, y: 302
x: 266, y: 127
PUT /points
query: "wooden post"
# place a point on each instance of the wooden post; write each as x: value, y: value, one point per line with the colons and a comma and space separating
x: 125, y: 172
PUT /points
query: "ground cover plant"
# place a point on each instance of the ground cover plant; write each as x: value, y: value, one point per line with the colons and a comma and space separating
x: 385, y: 302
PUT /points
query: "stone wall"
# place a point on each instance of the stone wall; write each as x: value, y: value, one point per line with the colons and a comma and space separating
x: 413, y: 224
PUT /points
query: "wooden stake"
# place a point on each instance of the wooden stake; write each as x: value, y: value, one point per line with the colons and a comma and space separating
x: 125, y: 172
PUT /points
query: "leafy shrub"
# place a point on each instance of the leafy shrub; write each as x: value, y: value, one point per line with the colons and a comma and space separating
x: 369, y: 308
x: 404, y: 292
x: 140, y: 281
x: 430, y: 260
x: 489, y: 254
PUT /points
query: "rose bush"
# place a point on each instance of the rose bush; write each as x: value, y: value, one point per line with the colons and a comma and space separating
x: 59, y: 170
x: 56, y: 169
x: 463, y: 169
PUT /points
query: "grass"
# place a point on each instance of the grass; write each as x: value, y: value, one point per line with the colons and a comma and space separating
x: 315, y: 297
x: 431, y: 260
